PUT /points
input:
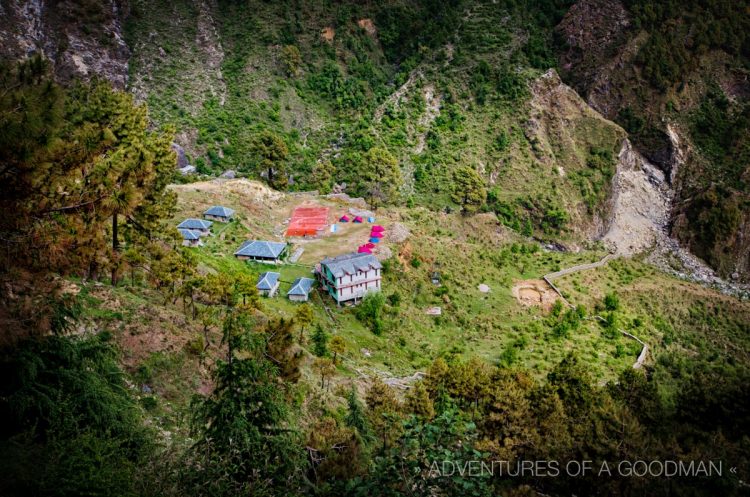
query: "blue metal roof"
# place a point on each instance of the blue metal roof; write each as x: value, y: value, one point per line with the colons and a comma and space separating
x: 260, y: 248
x: 189, y: 234
x: 220, y: 211
x: 267, y: 280
x: 195, y: 224
x: 301, y: 286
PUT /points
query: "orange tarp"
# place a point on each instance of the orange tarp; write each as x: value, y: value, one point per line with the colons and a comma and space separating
x: 307, y: 221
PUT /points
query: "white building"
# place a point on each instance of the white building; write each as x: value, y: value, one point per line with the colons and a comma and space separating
x: 347, y: 278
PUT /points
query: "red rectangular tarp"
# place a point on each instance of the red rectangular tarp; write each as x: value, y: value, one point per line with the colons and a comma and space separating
x: 308, y: 221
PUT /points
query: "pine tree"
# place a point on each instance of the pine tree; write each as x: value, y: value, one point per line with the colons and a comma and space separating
x: 281, y: 349
x: 379, y: 176
x: 337, y: 346
x: 325, y: 369
x: 320, y: 341
x: 355, y: 415
x: 468, y: 189
x: 244, y: 285
x: 383, y: 409
x: 303, y: 317
x: 271, y: 153
x: 418, y: 402
x: 242, y: 440
x: 76, y: 165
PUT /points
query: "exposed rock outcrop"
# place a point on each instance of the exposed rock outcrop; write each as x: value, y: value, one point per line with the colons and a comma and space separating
x: 640, y: 204
x: 81, y: 40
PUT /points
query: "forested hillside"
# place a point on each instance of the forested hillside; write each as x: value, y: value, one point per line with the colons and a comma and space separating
x: 554, y: 181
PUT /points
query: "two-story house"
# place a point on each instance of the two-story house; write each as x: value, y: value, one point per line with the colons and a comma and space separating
x: 348, y: 277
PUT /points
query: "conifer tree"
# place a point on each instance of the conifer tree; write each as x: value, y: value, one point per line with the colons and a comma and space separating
x: 281, y: 350
x: 271, y: 153
x: 303, y: 317
x: 337, y: 346
x: 468, y: 189
x: 355, y: 415
x: 243, y: 445
x: 320, y: 341
x: 418, y: 402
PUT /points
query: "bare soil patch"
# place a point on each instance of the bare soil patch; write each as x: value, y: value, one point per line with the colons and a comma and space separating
x: 534, y: 293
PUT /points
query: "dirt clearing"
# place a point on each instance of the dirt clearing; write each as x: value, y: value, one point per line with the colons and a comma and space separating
x: 534, y: 293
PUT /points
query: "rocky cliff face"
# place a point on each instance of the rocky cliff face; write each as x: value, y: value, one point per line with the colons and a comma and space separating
x: 80, y: 38
x: 603, y: 60
x: 563, y: 130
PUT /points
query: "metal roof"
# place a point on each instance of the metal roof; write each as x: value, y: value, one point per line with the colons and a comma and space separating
x: 301, y: 286
x: 261, y: 248
x: 220, y: 211
x: 189, y: 234
x: 195, y: 224
x: 351, y: 263
x: 267, y: 281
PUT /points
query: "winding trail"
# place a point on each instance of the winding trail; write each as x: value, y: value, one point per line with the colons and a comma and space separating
x: 584, y: 267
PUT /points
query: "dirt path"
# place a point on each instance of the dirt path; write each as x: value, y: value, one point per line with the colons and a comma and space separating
x: 395, y: 97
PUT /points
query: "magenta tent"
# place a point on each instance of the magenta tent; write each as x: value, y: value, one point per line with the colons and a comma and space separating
x: 369, y: 245
x: 376, y: 234
x: 378, y: 228
x: 358, y: 219
x: 344, y: 219
x: 364, y: 250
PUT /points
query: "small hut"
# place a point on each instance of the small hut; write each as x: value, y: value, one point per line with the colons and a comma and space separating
x: 261, y: 251
x: 219, y: 213
x: 268, y: 283
x: 201, y: 226
x: 191, y: 238
x: 300, y: 291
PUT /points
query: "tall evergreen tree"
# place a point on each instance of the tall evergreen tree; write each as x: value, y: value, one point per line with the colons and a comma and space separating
x: 244, y: 445
x: 320, y: 341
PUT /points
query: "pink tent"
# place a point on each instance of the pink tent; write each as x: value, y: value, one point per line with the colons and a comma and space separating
x: 376, y: 234
x: 364, y: 250
x: 358, y: 219
x: 377, y: 227
x: 369, y: 245
x: 344, y: 219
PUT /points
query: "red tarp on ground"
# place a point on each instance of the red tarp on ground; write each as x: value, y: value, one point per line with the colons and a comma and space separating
x: 307, y: 221
x: 377, y: 227
x: 358, y: 219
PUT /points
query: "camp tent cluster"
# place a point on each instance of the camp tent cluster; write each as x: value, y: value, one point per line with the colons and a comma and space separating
x: 376, y: 233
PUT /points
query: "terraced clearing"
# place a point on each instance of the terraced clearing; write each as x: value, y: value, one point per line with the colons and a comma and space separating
x: 465, y: 251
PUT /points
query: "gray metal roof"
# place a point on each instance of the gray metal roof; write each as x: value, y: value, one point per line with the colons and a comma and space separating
x: 301, y: 286
x: 195, y: 224
x: 261, y: 248
x: 267, y: 280
x: 350, y: 264
x: 189, y: 234
x: 220, y: 211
